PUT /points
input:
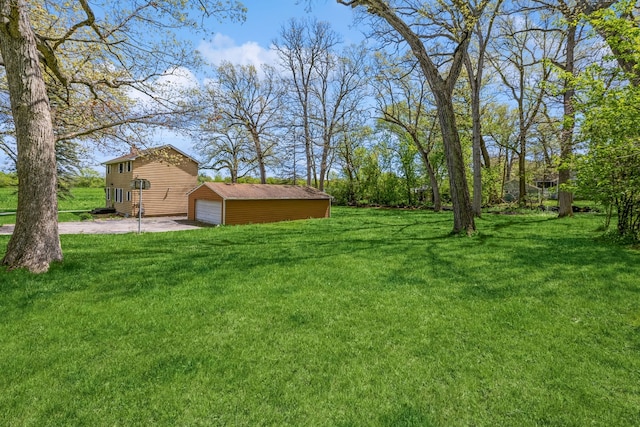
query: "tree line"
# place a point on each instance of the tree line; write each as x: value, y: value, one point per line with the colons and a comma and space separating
x: 484, y: 92
x: 445, y: 103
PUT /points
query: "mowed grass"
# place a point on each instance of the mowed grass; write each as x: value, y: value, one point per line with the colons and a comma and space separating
x: 372, y: 317
x: 82, y: 199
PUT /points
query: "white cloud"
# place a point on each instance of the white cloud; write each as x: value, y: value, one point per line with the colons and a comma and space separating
x: 223, y: 48
x: 179, y: 77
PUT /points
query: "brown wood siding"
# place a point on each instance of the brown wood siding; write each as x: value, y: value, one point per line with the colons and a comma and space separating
x: 122, y: 180
x: 170, y: 184
x: 202, y: 193
x: 261, y: 211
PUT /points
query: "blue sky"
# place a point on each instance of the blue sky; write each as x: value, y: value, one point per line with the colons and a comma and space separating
x: 265, y: 17
x: 249, y: 42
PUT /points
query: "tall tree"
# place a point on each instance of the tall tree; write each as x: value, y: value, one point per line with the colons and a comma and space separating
x: 223, y: 146
x: 519, y: 59
x: 44, y: 45
x: 570, y: 25
x: 35, y: 242
x: 303, y: 46
x: 249, y: 103
x: 475, y: 73
x: 407, y: 19
x: 339, y: 94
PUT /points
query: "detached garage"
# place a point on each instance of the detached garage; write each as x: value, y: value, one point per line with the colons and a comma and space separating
x: 233, y: 204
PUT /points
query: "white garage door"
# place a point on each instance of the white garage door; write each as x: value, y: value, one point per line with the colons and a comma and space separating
x: 209, y: 211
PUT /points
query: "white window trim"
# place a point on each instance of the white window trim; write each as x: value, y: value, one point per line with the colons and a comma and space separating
x: 119, y: 195
x: 108, y: 192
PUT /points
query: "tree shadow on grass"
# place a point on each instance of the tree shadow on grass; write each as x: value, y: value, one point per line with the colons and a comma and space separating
x: 400, y: 248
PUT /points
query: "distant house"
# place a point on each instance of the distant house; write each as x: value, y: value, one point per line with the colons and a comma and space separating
x: 222, y: 203
x: 512, y: 191
x: 549, y: 184
x: 170, y: 172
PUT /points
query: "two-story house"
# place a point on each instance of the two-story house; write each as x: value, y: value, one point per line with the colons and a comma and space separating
x: 171, y: 173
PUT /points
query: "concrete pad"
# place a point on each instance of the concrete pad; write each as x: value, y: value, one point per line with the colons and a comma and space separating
x: 121, y: 226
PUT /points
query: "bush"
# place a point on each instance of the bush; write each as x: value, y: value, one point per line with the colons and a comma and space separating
x: 8, y: 179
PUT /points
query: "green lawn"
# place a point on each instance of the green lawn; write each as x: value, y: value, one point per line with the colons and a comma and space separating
x: 372, y: 317
x: 82, y: 199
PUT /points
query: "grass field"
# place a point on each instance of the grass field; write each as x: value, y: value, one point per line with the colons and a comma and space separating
x: 372, y: 317
x: 82, y: 199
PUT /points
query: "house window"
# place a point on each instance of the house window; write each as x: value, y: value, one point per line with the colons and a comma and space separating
x: 118, y: 195
x: 108, y: 193
x: 108, y: 169
x: 128, y: 196
x: 120, y: 167
x: 128, y: 166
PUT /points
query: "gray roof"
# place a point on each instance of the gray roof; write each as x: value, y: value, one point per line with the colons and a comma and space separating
x: 134, y: 154
x: 264, y: 191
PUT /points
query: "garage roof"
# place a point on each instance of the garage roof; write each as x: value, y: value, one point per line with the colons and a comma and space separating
x: 263, y: 191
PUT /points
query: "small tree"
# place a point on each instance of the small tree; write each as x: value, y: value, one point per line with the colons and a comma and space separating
x: 610, y: 171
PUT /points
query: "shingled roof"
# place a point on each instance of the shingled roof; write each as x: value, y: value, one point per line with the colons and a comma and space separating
x: 134, y: 154
x: 264, y: 191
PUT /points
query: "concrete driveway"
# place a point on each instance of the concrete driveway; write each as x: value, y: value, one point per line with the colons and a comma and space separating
x: 121, y: 225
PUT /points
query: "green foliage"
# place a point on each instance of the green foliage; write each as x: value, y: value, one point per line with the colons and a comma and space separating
x: 8, y: 179
x: 620, y: 27
x: 385, y: 174
x: 345, y: 321
x: 204, y: 178
x: 88, y: 178
x: 491, y: 184
x: 609, y: 171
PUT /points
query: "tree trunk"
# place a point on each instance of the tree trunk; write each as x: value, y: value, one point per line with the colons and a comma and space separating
x: 476, y: 150
x: 475, y: 82
x: 259, y: 154
x: 35, y: 242
x: 462, y: 210
x: 433, y: 182
x: 308, y: 145
x: 565, y: 198
x: 326, y: 146
x: 522, y: 164
x: 435, y: 189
